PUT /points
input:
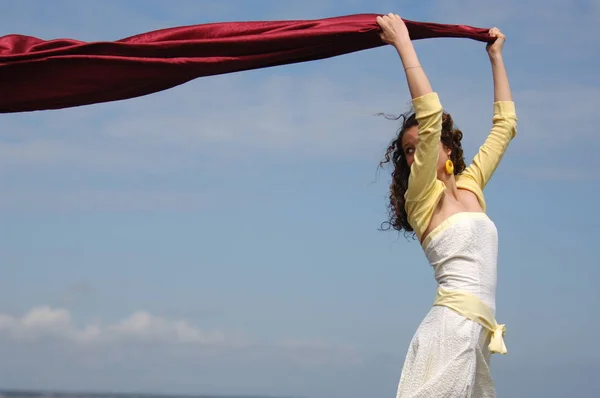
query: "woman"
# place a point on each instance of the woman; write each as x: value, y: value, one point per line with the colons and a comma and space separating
x: 435, y: 196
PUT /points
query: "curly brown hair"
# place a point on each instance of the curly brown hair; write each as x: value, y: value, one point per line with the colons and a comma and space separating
x: 451, y: 138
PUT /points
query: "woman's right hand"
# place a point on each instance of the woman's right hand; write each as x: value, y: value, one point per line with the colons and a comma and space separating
x: 393, y: 29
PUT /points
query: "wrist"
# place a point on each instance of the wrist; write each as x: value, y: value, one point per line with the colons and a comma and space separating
x: 403, y: 45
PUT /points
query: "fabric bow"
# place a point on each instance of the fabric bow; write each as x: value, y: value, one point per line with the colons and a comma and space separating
x: 497, y: 345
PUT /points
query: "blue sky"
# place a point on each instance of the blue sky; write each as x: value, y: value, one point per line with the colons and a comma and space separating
x: 222, y: 236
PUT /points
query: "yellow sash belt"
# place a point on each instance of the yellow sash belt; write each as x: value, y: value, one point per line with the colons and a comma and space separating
x: 471, y: 307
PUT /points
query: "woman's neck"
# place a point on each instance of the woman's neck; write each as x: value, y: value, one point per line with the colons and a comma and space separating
x: 450, y: 183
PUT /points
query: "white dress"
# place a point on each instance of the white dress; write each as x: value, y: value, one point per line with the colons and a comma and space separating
x: 449, y: 356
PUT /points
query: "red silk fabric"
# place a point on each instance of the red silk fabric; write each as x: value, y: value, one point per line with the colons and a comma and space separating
x: 40, y: 74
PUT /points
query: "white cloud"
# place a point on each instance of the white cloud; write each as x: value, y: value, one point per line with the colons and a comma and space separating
x: 45, y: 322
x: 142, y: 351
x: 144, y: 326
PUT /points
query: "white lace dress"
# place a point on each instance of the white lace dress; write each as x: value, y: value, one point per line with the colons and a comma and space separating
x: 449, y: 356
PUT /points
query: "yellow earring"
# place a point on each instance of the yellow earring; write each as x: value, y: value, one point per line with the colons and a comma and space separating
x: 449, y: 166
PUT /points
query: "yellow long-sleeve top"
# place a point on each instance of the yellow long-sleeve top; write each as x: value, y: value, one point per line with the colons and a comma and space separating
x: 424, y: 189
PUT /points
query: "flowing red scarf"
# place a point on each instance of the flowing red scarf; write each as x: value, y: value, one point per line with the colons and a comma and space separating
x: 40, y: 74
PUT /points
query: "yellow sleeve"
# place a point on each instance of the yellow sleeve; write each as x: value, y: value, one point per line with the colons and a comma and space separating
x: 476, y: 176
x: 424, y: 189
